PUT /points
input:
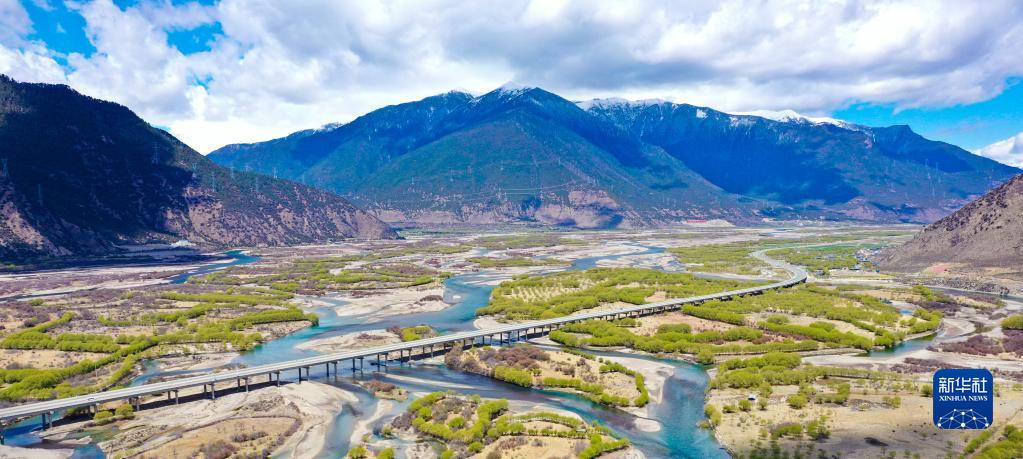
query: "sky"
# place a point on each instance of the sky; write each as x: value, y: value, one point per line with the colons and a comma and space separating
x: 219, y: 72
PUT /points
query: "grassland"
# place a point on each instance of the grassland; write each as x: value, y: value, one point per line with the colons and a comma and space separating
x: 524, y: 241
x: 94, y: 341
x: 461, y: 426
x: 718, y: 258
x: 601, y: 381
x: 803, y: 318
x: 823, y: 259
x: 515, y: 262
x: 777, y: 406
x: 543, y: 297
x: 320, y: 275
x: 735, y: 257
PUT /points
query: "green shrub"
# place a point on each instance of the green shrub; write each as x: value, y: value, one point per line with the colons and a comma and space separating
x: 789, y: 429
x: 515, y: 376
x: 125, y: 411
x: 359, y: 452
x: 797, y: 401
x: 1014, y: 322
x: 103, y: 417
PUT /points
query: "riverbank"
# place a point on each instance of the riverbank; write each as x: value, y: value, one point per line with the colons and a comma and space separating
x: 292, y: 420
x: 378, y: 305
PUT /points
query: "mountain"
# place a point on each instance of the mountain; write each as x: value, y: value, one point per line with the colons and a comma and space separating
x: 888, y: 174
x: 987, y: 232
x: 520, y: 153
x: 81, y: 176
x: 509, y: 155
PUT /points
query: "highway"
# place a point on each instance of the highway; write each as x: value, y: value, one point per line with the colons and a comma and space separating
x: 382, y: 354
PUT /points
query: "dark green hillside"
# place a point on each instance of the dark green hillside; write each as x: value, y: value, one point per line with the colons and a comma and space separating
x: 82, y: 175
x: 847, y: 171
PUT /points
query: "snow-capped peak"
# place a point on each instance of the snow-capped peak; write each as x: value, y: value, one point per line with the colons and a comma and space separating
x: 513, y: 87
x: 461, y: 90
x: 617, y: 102
x: 328, y: 127
x: 792, y: 116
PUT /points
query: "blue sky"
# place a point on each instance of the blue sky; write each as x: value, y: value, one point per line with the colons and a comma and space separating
x: 970, y: 126
x: 218, y: 72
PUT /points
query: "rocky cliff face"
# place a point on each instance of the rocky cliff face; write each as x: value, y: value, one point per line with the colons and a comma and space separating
x: 987, y: 232
x: 82, y: 176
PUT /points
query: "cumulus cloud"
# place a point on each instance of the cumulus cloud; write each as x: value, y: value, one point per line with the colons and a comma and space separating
x: 280, y: 67
x: 1008, y: 151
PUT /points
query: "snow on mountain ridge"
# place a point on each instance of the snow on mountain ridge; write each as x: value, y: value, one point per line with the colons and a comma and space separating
x: 617, y: 101
x: 792, y: 116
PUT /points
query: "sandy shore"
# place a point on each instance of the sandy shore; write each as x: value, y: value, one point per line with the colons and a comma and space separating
x: 14, y: 452
x: 197, y: 362
x: 182, y: 428
x: 354, y: 340
x: 362, y: 428
x: 445, y: 385
x: 486, y: 322
x: 386, y: 303
x: 663, y: 261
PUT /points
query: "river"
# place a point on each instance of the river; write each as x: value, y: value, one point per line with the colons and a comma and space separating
x: 678, y: 413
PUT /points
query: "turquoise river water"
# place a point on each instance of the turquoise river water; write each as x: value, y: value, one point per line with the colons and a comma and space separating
x: 678, y: 413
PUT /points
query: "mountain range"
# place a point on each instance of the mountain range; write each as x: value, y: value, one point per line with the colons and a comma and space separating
x: 526, y: 154
x: 81, y: 176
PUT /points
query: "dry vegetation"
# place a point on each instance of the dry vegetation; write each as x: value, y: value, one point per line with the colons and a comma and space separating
x: 462, y: 426
x: 602, y: 381
x: 90, y: 341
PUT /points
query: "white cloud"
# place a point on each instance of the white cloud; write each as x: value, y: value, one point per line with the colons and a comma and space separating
x: 14, y: 22
x: 1008, y: 151
x: 280, y: 67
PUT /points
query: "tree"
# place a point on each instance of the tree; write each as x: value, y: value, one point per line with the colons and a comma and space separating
x: 103, y: 417
x: 797, y: 401
x: 125, y: 411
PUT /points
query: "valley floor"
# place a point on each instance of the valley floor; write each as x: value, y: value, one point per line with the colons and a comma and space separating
x: 326, y: 298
